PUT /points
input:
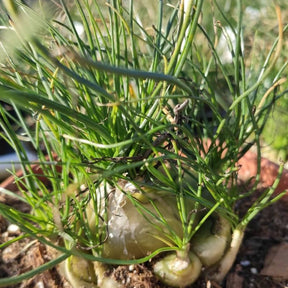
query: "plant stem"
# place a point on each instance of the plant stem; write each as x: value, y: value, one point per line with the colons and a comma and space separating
x: 134, y: 73
x: 227, y: 261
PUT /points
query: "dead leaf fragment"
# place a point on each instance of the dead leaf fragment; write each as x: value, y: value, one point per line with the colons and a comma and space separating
x: 276, y: 262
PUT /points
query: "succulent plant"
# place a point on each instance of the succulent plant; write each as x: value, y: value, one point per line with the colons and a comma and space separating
x: 141, y: 150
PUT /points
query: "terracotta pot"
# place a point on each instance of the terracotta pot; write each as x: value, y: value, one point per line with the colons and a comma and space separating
x: 268, y: 174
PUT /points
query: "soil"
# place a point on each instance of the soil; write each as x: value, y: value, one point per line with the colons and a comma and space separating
x: 265, y: 236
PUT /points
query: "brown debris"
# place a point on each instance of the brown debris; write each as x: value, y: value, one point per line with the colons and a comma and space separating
x: 276, y: 262
x: 135, y: 276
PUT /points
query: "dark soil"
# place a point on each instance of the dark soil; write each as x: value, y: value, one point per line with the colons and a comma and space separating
x: 268, y: 230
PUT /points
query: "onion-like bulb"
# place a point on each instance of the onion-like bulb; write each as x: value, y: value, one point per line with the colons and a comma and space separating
x: 80, y: 272
x: 211, y: 241
x: 178, y: 271
x: 133, y: 232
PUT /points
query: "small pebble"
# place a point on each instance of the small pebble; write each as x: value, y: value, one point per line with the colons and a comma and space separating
x: 245, y: 263
x: 131, y: 268
x: 254, y: 270
x: 10, y: 253
x: 13, y: 229
x: 39, y: 284
x: 5, y: 235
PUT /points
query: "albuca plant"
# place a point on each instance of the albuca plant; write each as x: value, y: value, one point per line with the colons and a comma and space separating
x: 139, y: 144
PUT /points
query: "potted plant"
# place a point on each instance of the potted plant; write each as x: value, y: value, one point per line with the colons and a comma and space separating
x: 147, y: 150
